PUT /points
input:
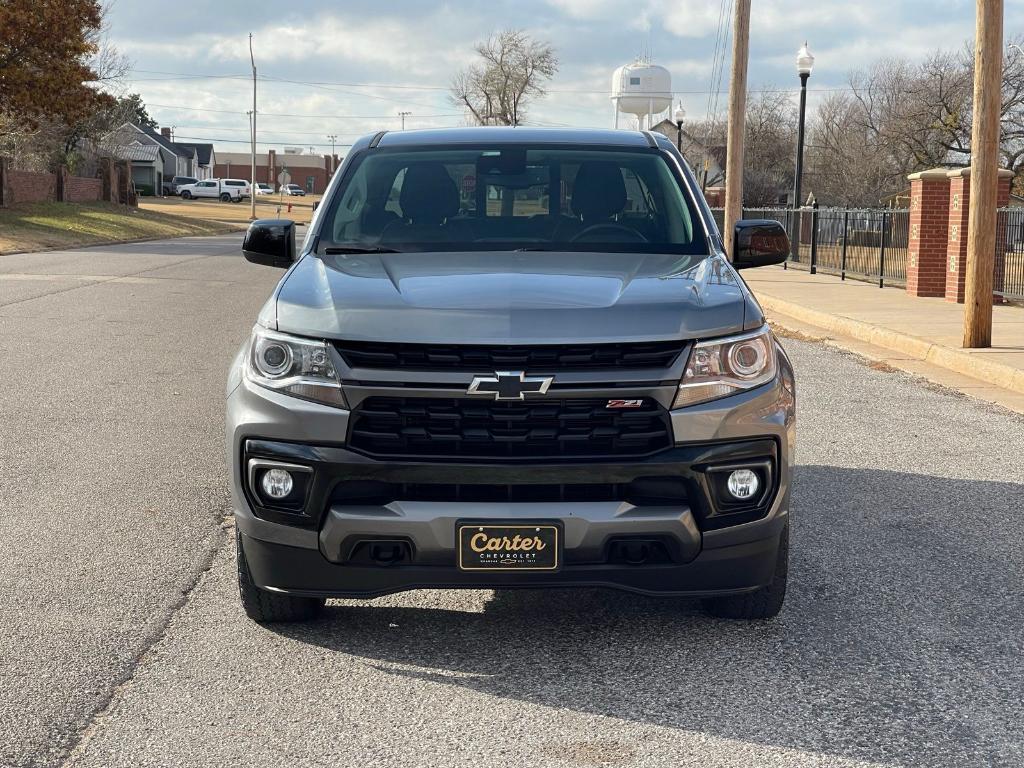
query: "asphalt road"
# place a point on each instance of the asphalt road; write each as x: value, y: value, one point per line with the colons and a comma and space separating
x: 122, y: 642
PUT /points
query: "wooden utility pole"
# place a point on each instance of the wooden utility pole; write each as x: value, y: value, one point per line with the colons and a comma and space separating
x: 981, y: 221
x: 737, y: 122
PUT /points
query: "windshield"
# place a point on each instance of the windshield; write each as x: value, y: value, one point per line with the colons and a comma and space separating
x: 513, y: 197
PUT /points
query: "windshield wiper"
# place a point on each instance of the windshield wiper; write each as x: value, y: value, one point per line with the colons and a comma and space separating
x: 336, y: 250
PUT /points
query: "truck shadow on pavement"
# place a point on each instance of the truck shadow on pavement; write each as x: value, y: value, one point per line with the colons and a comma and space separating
x: 900, y: 641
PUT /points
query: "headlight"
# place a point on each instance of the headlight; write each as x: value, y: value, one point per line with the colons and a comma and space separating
x: 724, y: 367
x: 299, y: 367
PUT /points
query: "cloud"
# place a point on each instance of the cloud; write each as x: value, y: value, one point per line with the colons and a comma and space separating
x: 339, y: 57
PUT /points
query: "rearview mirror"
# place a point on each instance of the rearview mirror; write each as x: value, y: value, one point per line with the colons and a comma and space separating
x: 758, y: 243
x: 270, y: 242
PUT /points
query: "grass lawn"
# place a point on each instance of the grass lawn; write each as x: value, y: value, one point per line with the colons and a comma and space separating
x: 206, y: 209
x: 37, y: 226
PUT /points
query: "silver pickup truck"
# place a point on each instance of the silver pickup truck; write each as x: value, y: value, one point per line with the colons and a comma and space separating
x: 512, y: 357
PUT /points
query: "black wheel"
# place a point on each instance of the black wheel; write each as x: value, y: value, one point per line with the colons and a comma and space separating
x: 225, y: 197
x: 766, y: 602
x: 186, y: 195
x: 263, y: 606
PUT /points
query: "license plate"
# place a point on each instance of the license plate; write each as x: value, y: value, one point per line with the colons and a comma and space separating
x: 535, y: 547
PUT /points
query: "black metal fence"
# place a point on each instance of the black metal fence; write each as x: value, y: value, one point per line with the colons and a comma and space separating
x: 862, y: 243
x: 1009, y: 276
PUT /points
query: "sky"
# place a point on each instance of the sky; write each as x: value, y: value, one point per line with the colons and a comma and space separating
x: 349, y: 67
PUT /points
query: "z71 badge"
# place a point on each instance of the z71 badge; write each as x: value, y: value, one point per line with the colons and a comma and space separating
x: 625, y: 403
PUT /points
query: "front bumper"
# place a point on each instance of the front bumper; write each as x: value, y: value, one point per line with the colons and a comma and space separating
x: 318, y: 549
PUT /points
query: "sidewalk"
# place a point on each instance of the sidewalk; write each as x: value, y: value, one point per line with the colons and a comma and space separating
x: 927, y: 330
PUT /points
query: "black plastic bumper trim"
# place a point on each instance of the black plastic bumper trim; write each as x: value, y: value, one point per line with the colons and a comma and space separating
x: 728, y: 570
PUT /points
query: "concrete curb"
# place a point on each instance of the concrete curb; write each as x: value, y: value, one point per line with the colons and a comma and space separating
x: 995, y: 374
x: 102, y: 243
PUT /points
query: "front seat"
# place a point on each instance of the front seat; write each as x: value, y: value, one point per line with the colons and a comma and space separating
x: 428, y: 199
x: 598, y: 193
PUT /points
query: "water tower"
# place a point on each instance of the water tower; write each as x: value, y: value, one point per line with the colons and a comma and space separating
x: 641, y: 89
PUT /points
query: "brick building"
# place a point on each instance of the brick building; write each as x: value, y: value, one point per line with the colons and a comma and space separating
x: 311, y: 172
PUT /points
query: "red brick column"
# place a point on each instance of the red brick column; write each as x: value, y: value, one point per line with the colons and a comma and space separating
x: 956, y: 252
x: 5, y: 193
x: 929, y: 237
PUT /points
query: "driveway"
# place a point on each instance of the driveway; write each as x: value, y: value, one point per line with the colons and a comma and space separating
x: 124, y: 644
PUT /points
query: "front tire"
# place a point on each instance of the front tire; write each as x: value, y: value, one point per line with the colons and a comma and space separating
x: 764, y: 603
x: 265, y: 607
x: 186, y: 195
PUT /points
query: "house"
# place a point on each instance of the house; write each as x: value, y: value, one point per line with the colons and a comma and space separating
x: 206, y: 158
x: 697, y: 154
x: 147, y: 161
x: 178, y: 159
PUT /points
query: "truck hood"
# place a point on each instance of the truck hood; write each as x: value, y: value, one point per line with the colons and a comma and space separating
x: 512, y: 298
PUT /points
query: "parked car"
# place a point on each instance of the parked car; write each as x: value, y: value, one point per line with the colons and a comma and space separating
x: 264, y: 189
x: 173, y: 186
x: 292, y: 189
x: 576, y: 390
x: 226, y: 190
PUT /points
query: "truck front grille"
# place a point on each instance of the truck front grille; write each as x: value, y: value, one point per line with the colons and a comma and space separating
x: 427, y: 428
x: 536, y: 359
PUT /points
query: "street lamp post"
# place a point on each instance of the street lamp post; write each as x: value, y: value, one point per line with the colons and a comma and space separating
x: 804, y: 65
x: 680, y: 116
x: 404, y: 115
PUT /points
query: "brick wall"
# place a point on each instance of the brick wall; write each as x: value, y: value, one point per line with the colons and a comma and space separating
x: 32, y: 187
x: 82, y: 190
x: 28, y: 187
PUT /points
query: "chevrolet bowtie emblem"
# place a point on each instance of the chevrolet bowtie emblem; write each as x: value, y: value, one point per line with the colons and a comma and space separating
x: 510, y: 385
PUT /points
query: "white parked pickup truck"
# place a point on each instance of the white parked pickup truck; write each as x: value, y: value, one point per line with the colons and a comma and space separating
x: 226, y: 190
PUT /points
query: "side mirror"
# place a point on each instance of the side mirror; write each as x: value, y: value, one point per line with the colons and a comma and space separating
x: 758, y: 243
x: 270, y: 242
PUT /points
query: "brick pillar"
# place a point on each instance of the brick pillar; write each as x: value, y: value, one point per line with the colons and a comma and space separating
x: 956, y: 252
x: 929, y: 237
x: 60, y: 187
x: 999, y: 265
x: 272, y: 168
x: 108, y: 187
x: 5, y: 193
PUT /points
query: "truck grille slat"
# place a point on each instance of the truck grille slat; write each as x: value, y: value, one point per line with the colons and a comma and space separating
x: 536, y: 359
x: 428, y: 428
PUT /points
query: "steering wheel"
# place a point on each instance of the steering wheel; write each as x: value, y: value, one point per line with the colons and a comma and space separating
x: 610, y: 226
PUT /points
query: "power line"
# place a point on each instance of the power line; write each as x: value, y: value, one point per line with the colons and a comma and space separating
x: 277, y: 133
x: 209, y: 139
x: 283, y: 114
x: 602, y: 91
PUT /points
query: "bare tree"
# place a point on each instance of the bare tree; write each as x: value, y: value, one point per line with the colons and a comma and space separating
x: 770, y: 146
x: 512, y: 71
x: 900, y: 117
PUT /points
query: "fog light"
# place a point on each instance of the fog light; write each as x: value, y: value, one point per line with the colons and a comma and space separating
x: 743, y: 484
x: 277, y: 483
